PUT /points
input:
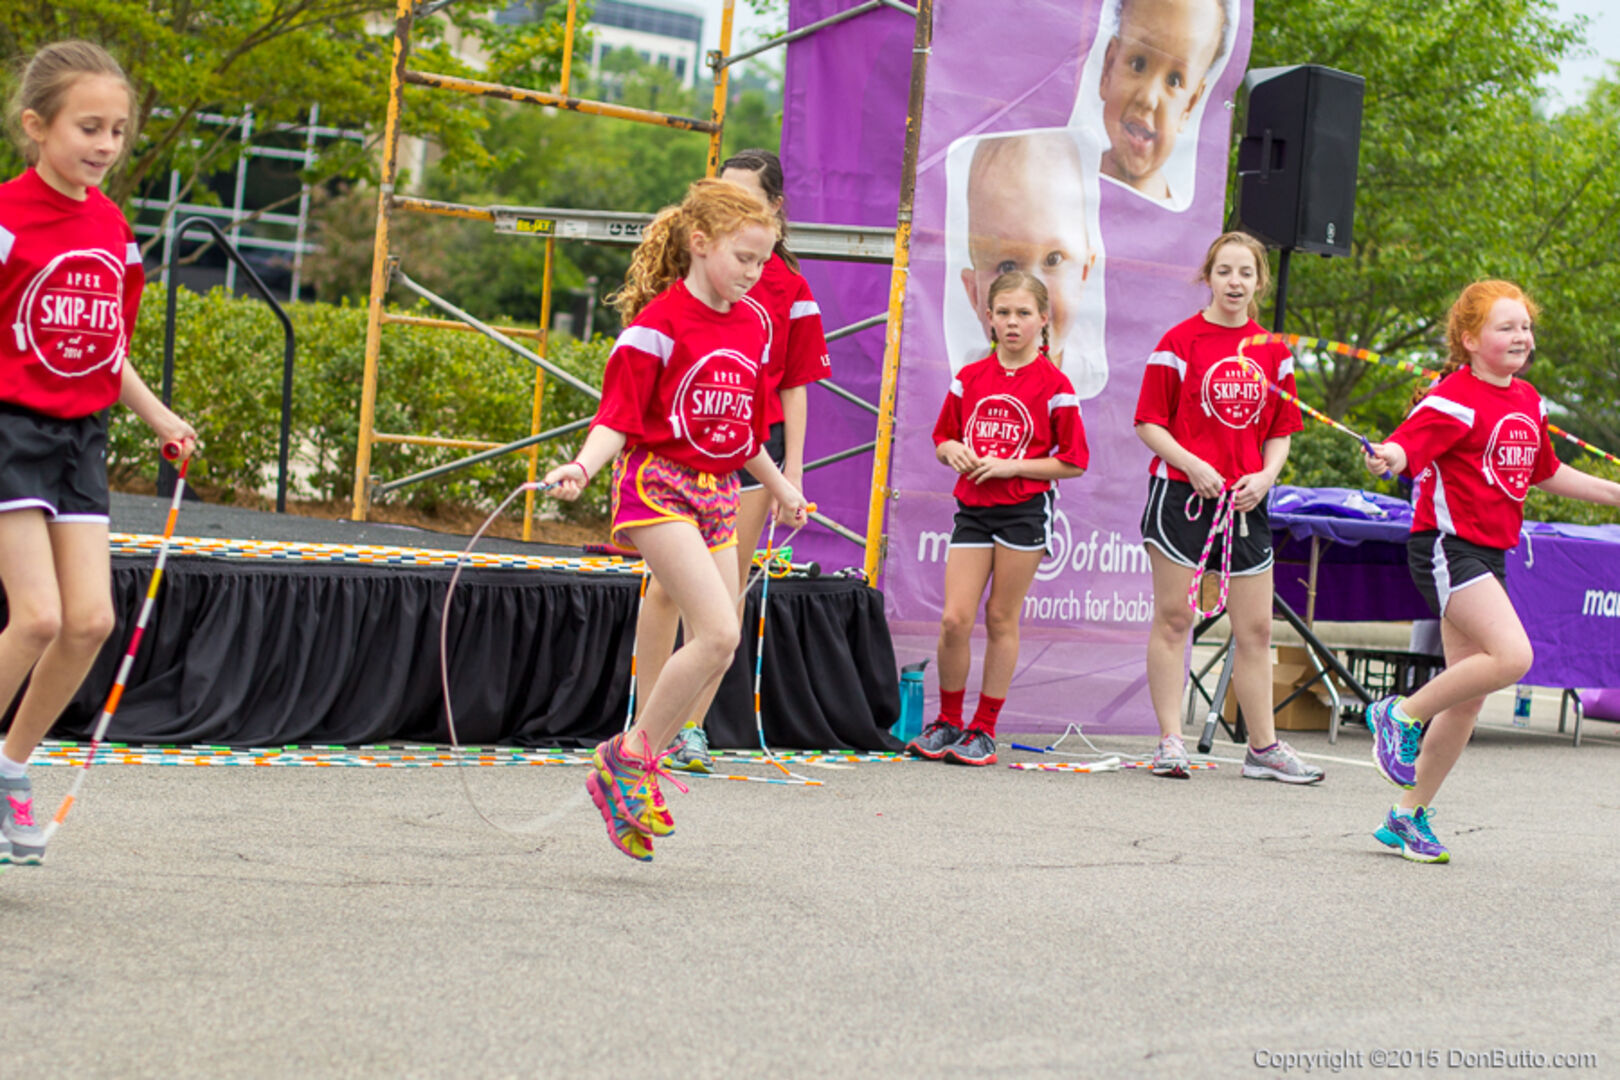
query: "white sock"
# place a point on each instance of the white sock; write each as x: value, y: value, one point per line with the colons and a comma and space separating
x: 11, y: 770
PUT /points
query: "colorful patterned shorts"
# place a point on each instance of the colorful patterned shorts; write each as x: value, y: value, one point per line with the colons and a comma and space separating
x: 648, y: 489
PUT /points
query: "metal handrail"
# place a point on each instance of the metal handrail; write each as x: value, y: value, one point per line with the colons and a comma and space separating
x: 166, y: 473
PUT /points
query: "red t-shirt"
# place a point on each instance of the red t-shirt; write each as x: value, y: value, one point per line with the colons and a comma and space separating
x: 1195, y: 386
x: 1475, y: 450
x: 1028, y: 413
x: 70, y: 287
x: 798, y: 343
x: 683, y: 380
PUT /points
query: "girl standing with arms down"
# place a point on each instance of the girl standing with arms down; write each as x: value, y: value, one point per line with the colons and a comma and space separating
x: 70, y: 287
x: 798, y: 357
x: 1219, y: 439
x: 1474, y: 444
x: 682, y: 409
x: 1010, y: 427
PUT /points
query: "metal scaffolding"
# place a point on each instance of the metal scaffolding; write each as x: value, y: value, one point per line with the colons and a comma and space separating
x: 840, y: 242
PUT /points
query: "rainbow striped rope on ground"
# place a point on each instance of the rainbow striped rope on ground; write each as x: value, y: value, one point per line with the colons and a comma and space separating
x: 364, y: 554
x: 1084, y: 767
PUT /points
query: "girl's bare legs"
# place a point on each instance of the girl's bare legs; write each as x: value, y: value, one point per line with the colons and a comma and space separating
x: 1167, y: 640
x: 1484, y: 640
x: 967, y: 570
x: 1248, y: 610
x: 703, y: 585
x: 1011, y: 574
x: 59, y: 589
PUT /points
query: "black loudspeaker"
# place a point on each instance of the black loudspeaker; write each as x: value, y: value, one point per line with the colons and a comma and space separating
x: 1296, y: 165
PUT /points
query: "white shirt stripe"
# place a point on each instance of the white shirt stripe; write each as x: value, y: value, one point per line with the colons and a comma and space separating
x: 1285, y: 369
x: 132, y: 254
x: 1442, y: 508
x: 1449, y: 407
x: 1061, y: 400
x: 7, y: 238
x: 956, y: 387
x: 647, y: 340
x: 801, y: 308
x: 1168, y: 359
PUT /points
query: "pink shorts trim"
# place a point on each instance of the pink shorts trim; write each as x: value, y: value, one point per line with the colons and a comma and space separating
x: 650, y: 490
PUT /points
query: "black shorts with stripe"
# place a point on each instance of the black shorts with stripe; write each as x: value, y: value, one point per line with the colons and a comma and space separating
x: 1166, y: 525
x: 1443, y: 564
x: 1024, y: 526
x: 776, y: 447
x: 54, y: 465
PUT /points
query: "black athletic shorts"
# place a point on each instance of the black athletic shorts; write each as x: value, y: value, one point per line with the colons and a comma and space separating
x: 1180, y: 539
x: 1441, y: 564
x: 776, y: 446
x: 1024, y: 526
x: 58, y: 466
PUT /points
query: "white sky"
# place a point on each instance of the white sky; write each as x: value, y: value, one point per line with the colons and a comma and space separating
x: 1603, y: 38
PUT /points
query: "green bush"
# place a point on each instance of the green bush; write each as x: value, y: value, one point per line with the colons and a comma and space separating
x: 228, y: 372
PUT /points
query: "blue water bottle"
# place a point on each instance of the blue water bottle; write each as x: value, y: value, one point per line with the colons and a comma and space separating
x: 910, y: 725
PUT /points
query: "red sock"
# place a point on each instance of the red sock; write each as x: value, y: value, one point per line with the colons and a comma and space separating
x: 985, y: 716
x: 950, y: 706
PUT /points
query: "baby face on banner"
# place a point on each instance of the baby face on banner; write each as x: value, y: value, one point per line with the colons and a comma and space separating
x: 1026, y: 210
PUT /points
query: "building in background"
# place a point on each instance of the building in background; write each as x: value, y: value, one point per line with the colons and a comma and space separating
x: 666, y: 33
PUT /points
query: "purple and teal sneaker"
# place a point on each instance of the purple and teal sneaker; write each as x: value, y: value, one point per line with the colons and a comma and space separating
x: 1412, y: 834
x: 1395, y: 742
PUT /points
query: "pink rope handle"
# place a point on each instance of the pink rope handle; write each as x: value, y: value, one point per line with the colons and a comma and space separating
x: 1224, y: 512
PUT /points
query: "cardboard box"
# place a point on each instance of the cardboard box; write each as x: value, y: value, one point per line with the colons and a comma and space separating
x: 1307, y: 712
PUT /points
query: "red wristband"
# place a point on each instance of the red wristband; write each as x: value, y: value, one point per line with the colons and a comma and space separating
x: 582, y: 469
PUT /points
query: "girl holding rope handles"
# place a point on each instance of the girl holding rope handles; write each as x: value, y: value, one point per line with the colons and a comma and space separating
x: 682, y: 409
x: 1010, y: 427
x: 70, y: 287
x: 1474, y: 443
x: 1219, y: 441
x: 798, y: 357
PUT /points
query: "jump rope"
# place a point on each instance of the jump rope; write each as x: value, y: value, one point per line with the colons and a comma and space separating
x: 171, y: 451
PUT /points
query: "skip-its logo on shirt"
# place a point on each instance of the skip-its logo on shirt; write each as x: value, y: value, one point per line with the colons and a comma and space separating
x: 999, y: 426
x: 714, y: 404
x: 1233, y: 392
x: 71, y: 315
x: 1510, y: 454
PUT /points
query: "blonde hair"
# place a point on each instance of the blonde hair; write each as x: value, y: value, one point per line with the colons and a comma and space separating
x: 712, y: 207
x: 43, y: 86
x: 1262, y: 269
x: 1467, y: 318
x: 1012, y: 281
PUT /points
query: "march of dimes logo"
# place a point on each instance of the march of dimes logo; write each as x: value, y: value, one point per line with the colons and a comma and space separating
x: 1233, y: 391
x: 1510, y: 454
x: 71, y: 316
x: 714, y: 404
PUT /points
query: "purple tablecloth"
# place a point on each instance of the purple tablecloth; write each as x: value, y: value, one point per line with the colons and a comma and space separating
x: 1564, y: 580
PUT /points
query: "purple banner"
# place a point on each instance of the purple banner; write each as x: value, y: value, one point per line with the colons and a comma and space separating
x: 1041, y: 153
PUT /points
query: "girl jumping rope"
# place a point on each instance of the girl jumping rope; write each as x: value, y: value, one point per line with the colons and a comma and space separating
x: 798, y: 357
x: 1474, y: 444
x: 1010, y: 427
x: 1219, y: 440
x: 70, y: 287
x: 682, y: 409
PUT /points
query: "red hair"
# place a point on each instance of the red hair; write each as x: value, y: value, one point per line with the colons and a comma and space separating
x: 1467, y: 319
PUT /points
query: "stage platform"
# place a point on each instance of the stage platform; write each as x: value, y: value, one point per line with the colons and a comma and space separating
x: 273, y: 630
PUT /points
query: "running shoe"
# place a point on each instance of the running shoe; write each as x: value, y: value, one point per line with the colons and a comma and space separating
x: 1395, y: 742
x: 655, y: 813
x: 934, y: 740
x: 975, y: 747
x: 22, y: 840
x: 690, y: 751
x: 1412, y: 834
x: 1279, y: 763
x: 1171, y: 759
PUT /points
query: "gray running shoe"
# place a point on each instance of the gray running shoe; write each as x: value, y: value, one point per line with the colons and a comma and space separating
x: 1279, y: 763
x: 935, y: 739
x: 24, y: 842
x: 1171, y: 759
x: 690, y: 751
